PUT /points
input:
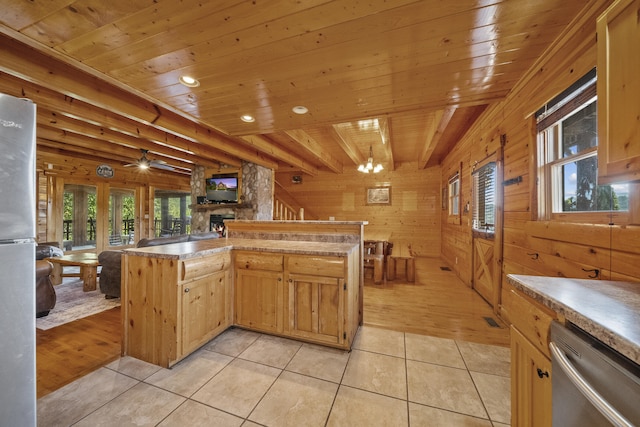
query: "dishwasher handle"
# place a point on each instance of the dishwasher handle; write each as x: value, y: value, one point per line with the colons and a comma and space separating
x: 608, y: 411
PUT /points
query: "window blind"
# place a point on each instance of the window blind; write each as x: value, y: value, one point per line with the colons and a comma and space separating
x: 484, y: 194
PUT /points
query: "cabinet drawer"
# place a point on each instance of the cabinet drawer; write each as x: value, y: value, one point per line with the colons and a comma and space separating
x: 316, y: 265
x: 198, y: 267
x: 531, y: 319
x: 258, y: 261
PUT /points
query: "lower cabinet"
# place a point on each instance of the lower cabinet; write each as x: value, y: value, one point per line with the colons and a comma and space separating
x: 299, y: 296
x: 530, y: 361
x: 316, y: 308
x: 205, y: 309
x: 258, y: 302
x: 259, y: 291
x: 530, y: 383
x: 171, y: 307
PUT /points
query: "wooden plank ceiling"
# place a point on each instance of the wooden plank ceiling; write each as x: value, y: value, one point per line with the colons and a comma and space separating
x: 403, y: 77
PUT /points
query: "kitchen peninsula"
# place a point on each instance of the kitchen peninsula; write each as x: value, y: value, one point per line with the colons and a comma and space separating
x: 298, y: 279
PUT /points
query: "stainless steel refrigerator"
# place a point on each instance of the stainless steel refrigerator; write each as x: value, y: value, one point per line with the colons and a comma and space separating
x: 17, y: 262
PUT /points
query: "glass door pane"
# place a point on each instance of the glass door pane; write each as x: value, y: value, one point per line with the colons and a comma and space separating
x: 122, y: 209
x: 79, y: 217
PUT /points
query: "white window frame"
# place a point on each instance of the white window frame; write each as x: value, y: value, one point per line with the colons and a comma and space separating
x: 550, y: 177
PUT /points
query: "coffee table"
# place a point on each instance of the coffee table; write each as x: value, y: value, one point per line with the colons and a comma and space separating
x: 88, y: 263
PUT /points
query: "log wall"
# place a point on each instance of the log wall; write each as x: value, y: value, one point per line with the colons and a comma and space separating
x: 550, y: 248
x: 412, y: 216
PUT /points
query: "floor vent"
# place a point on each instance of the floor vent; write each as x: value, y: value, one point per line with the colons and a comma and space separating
x: 491, y: 322
x: 445, y: 269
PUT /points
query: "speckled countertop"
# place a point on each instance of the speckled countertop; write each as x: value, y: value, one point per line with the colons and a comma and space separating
x: 205, y: 247
x: 608, y: 310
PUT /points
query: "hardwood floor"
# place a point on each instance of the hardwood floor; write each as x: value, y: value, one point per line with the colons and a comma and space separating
x: 437, y: 304
x: 70, y: 351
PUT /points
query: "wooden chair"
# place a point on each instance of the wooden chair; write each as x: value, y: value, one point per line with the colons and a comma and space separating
x: 374, y: 258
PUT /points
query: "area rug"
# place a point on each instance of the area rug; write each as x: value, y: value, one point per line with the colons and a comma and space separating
x: 73, y: 304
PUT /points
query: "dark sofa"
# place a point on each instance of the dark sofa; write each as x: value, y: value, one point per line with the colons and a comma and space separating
x: 111, y: 260
x: 45, y: 293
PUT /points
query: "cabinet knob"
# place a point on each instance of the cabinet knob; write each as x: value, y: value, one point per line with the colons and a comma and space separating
x: 187, y: 290
x: 542, y: 374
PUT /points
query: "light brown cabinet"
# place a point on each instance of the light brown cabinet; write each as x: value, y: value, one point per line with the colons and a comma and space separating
x: 171, y: 307
x: 619, y: 93
x: 317, y: 298
x: 530, y: 361
x: 205, y: 309
x: 299, y: 296
x: 259, y: 291
x: 530, y: 383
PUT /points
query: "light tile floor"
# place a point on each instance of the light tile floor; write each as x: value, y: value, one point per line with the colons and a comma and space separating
x: 244, y: 378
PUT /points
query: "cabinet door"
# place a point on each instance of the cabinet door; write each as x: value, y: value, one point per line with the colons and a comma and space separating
x: 530, y: 384
x: 316, y: 308
x: 618, y: 93
x: 195, y: 313
x: 259, y: 300
x: 205, y: 309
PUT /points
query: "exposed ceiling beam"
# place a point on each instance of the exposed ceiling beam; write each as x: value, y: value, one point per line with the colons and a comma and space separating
x: 265, y: 145
x: 100, y: 147
x: 168, y: 154
x: 68, y: 106
x: 348, y: 145
x: 307, y: 142
x: 29, y: 64
x: 439, y: 124
x: 384, y: 127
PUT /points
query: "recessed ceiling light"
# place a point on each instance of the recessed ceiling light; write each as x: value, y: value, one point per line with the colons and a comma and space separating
x: 189, y: 81
x: 247, y: 118
x: 300, y: 109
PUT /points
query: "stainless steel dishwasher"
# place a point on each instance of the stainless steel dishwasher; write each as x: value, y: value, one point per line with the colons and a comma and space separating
x: 592, y: 385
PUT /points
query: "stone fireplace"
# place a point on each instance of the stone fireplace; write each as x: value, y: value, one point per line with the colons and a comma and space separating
x: 256, y: 199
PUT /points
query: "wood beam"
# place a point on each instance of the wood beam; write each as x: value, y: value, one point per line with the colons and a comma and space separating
x: 384, y: 127
x: 166, y: 153
x: 68, y: 106
x: 442, y: 118
x: 307, y: 142
x: 28, y: 63
x: 263, y: 144
x: 347, y: 145
x: 95, y: 147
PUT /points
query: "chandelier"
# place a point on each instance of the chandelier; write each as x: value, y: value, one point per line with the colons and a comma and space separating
x: 368, y: 167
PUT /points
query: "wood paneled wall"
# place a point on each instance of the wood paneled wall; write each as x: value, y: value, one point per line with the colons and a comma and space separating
x: 413, y: 215
x: 535, y: 247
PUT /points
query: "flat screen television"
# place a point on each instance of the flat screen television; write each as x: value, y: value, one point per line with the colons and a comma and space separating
x: 222, y: 188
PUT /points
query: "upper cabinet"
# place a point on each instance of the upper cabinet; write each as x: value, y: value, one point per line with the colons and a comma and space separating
x: 619, y: 92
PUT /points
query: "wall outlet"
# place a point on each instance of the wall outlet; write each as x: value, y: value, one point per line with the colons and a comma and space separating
x: 332, y: 218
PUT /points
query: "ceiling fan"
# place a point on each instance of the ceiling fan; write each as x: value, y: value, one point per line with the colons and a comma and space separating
x: 144, y: 163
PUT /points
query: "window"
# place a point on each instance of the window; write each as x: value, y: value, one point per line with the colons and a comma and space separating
x: 484, y: 196
x: 454, y: 195
x: 567, y: 151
